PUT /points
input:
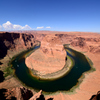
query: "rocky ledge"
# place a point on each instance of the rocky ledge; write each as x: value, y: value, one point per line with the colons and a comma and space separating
x: 49, y: 58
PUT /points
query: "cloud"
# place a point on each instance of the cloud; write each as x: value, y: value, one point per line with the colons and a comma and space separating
x: 17, y: 27
x: 0, y: 27
x: 27, y: 27
x: 48, y: 27
x: 9, y: 26
x: 40, y: 27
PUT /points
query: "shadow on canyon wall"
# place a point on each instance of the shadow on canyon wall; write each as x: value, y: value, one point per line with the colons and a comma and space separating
x: 26, y: 94
x: 13, y: 40
x: 1, y: 63
x: 96, y: 97
x: 27, y: 38
x: 43, y: 98
x: 2, y: 95
x: 6, y: 41
x: 50, y: 99
x: 1, y: 76
x: 9, y: 95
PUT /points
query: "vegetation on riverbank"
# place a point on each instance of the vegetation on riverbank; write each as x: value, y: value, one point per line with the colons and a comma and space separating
x: 74, y: 53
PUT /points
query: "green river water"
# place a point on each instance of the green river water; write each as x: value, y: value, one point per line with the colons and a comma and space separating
x: 82, y: 64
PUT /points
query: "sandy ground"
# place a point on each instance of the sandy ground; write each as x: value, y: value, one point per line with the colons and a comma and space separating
x: 89, y: 86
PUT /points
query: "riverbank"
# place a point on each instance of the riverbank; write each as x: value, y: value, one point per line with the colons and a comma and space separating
x: 76, y: 95
x: 56, y: 75
x: 24, y: 74
x: 49, y: 62
x: 46, y: 63
x: 62, y: 94
x: 90, y: 84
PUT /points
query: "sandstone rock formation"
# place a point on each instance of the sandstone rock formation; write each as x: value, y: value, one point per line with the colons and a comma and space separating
x: 20, y: 93
x: 12, y: 43
x: 15, y: 42
x: 49, y: 58
x: 37, y: 95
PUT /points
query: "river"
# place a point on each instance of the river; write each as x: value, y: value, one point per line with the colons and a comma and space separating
x: 63, y: 84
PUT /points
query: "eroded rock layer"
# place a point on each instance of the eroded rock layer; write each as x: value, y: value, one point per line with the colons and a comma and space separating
x: 49, y: 58
x: 12, y: 43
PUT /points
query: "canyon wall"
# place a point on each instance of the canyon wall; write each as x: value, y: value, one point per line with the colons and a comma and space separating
x: 15, y: 42
x: 12, y: 43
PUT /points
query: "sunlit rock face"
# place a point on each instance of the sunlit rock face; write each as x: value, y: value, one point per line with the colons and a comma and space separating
x: 49, y: 58
x: 51, y: 45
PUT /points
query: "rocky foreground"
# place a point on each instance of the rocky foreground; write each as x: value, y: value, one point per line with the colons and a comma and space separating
x: 51, y: 47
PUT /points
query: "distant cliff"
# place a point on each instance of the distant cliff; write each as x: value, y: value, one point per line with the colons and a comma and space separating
x: 14, y: 42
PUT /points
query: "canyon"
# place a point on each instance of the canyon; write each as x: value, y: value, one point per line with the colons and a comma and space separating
x: 51, y: 54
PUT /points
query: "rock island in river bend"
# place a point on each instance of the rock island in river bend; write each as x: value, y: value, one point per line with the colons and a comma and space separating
x: 49, y: 58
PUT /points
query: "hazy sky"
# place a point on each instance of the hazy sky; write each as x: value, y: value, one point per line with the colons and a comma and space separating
x: 57, y: 15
